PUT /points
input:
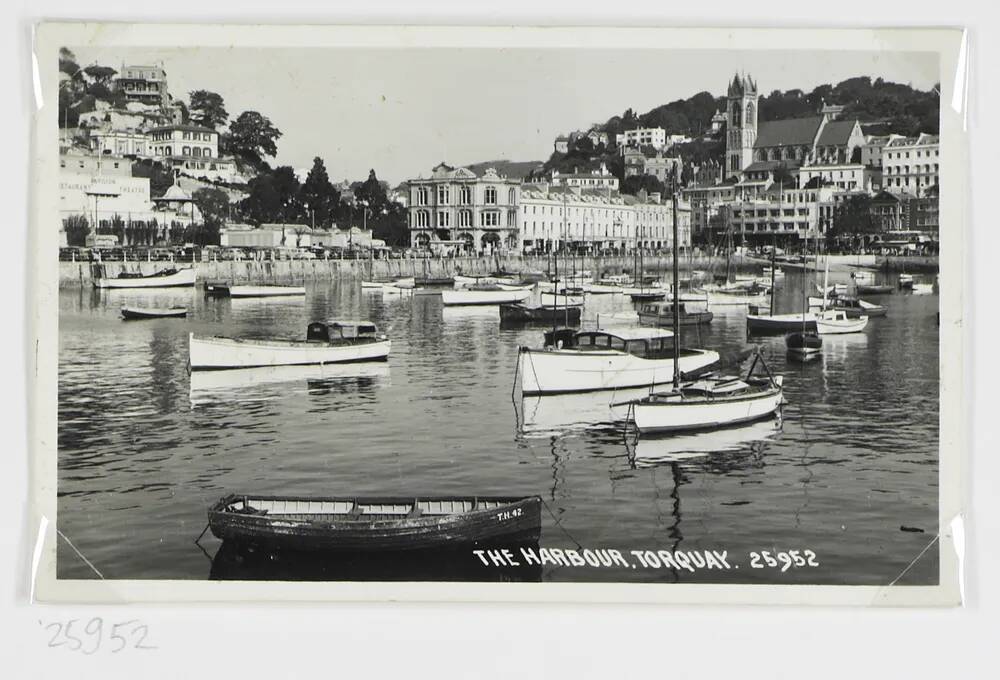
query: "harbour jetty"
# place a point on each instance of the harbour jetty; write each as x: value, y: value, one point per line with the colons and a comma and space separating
x: 288, y: 272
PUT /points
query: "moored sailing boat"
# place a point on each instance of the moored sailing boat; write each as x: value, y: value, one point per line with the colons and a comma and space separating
x: 711, y: 401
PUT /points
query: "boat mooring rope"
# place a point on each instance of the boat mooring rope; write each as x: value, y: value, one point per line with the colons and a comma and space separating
x: 559, y: 524
x: 80, y: 554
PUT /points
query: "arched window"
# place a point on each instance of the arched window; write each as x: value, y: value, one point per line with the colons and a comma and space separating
x: 490, y: 196
x: 422, y: 196
x: 750, y: 113
x: 168, y: 151
x: 196, y: 152
x: 465, y: 218
x: 512, y: 196
x: 423, y: 218
x: 736, y: 115
x: 186, y: 151
x: 511, y: 217
x: 465, y: 196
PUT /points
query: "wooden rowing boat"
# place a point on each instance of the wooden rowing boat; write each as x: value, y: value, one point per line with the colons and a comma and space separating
x: 515, y: 313
x: 134, y: 313
x: 372, y: 524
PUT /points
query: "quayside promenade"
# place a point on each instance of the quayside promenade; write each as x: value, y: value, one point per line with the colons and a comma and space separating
x: 82, y: 274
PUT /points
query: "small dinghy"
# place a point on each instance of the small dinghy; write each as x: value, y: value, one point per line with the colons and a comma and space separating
x: 327, y: 342
x: 428, y: 281
x: 834, y: 322
x: 373, y: 524
x: 135, y: 313
x: 517, y: 313
x: 648, y: 295
x: 710, y: 402
x: 906, y: 280
x: 803, y: 344
x: 874, y: 289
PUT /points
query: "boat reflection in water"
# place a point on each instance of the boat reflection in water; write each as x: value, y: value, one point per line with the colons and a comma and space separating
x: 238, y: 562
x: 654, y: 450
x: 243, y: 384
x: 548, y: 415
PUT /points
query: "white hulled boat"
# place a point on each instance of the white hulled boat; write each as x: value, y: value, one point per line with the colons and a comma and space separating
x: 607, y: 359
x: 264, y: 291
x: 710, y: 402
x: 482, y: 295
x: 327, y: 342
x: 167, y: 278
x: 834, y: 321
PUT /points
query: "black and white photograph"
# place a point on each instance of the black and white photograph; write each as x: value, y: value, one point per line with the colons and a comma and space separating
x: 658, y: 312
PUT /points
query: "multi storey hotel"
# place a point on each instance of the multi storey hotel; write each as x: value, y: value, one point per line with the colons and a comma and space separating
x: 457, y: 210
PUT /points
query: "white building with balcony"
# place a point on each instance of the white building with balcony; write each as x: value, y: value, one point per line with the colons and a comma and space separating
x: 910, y: 164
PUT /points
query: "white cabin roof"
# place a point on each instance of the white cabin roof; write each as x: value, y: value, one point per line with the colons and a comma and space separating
x: 633, y: 332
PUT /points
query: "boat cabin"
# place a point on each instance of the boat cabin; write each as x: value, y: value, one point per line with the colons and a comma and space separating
x: 648, y: 343
x: 334, y: 330
x: 664, y: 309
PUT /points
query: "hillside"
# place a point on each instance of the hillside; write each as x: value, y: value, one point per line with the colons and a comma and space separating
x: 880, y: 105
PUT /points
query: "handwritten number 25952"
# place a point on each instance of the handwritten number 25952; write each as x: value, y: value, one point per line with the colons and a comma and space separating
x: 94, y: 635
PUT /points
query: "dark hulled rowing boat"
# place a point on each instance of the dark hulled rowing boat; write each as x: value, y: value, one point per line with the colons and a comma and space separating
x: 519, y: 313
x: 373, y: 524
x: 134, y: 313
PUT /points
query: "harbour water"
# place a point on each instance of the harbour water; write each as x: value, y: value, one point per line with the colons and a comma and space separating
x: 850, y: 472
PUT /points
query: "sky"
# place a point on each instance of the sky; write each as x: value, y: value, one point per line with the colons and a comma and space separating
x: 401, y: 112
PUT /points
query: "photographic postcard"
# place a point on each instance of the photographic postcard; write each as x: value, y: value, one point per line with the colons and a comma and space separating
x: 535, y: 314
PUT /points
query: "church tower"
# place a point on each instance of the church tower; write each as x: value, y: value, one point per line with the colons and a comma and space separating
x: 741, y: 124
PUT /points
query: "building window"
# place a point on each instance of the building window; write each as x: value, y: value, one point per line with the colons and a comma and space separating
x: 512, y: 196
x: 511, y: 218
x: 490, y: 219
x: 465, y: 196
x: 444, y: 219
x: 207, y: 153
x: 422, y: 196
x: 490, y: 196
x: 443, y: 195
x: 423, y: 218
x: 465, y: 218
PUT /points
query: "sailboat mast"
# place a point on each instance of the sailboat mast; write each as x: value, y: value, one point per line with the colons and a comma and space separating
x: 774, y: 247
x: 677, y: 294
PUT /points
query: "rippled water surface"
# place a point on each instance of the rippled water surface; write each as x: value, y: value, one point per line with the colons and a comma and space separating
x: 850, y: 472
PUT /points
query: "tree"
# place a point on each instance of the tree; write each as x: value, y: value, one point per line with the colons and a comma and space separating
x: 77, y: 229
x: 373, y: 192
x: 208, y: 109
x: 853, y: 216
x: 636, y: 183
x: 100, y: 74
x: 274, y: 197
x: 213, y: 204
x: 319, y: 194
x: 252, y: 136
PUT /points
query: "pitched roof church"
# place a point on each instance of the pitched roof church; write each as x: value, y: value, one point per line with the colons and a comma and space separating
x: 755, y: 147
